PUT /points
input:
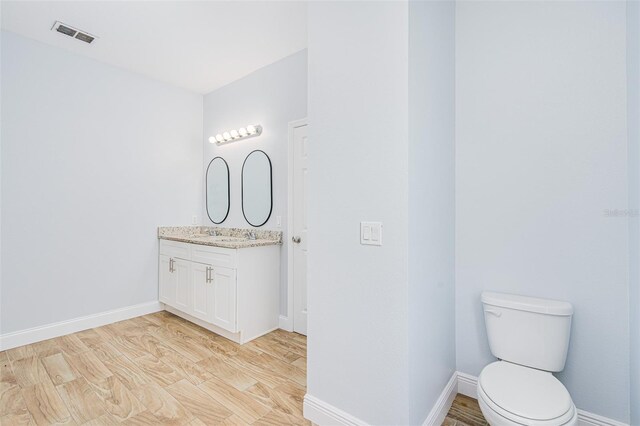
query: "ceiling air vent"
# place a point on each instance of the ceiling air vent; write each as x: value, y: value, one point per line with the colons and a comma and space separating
x: 73, y: 32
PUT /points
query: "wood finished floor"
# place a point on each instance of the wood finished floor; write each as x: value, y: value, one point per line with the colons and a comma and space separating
x: 152, y: 370
x: 465, y: 411
x: 161, y: 369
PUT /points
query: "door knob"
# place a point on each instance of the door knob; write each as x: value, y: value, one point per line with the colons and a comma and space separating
x: 296, y: 240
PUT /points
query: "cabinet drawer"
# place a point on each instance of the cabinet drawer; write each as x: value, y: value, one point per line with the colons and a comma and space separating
x: 175, y: 249
x: 215, y: 256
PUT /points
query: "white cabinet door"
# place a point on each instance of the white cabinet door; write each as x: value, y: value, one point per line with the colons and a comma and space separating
x: 167, y: 281
x: 202, y: 291
x: 181, y: 270
x: 224, y: 298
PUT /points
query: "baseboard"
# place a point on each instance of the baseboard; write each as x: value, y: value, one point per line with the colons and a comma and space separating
x: 442, y: 405
x: 468, y: 384
x: 321, y: 413
x: 285, y: 323
x: 589, y: 419
x: 49, y: 331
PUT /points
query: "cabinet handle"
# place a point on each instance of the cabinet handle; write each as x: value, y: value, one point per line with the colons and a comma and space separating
x: 209, y: 277
x: 171, y: 265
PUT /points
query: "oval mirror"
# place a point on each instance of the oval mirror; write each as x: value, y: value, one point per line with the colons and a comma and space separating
x: 218, y: 190
x: 257, y: 199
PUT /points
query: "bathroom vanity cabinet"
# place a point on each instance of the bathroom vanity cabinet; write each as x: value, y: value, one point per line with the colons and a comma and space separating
x: 233, y: 292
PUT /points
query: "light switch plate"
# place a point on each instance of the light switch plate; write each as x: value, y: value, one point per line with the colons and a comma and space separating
x: 371, y: 233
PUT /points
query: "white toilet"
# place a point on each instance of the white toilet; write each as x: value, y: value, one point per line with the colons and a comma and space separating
x: 530, y: 337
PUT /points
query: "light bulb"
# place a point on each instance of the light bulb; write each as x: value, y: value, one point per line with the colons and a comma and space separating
x: 219, y: 138
x: 227, y: 136
x: 212, y: 140
x: 242, y: 131
x: 234, y: 134
x: 251, y: 129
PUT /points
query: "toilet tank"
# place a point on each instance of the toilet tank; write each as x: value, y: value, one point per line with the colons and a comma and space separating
x: 528, y: 331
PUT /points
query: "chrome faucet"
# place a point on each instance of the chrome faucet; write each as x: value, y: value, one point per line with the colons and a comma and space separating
x: 251, y: 235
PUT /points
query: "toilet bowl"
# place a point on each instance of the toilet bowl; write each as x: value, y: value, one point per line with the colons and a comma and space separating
x: 530, y: 338
x: 510, y: 394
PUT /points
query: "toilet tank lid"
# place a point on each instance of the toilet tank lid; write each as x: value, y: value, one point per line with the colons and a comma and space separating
x: 529, y: 304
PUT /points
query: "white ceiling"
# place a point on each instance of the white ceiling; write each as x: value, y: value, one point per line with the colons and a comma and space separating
x: 196, y: 45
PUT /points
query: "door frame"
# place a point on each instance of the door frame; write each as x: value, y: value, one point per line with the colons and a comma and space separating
x: 286, y: 322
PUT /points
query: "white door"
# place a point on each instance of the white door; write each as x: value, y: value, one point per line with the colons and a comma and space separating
x: 167, y: 280
x: 224, y: 298
x: 299, y: 234
x: 181, y: 271
x: 202, y: 291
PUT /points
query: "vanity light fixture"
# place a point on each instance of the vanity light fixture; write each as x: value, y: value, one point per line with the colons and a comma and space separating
x: 235, y: 135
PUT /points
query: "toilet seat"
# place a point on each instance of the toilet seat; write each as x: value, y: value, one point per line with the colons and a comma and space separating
x: 512, y: 394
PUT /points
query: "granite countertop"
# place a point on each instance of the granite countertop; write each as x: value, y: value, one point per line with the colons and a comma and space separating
x: 232, y: 238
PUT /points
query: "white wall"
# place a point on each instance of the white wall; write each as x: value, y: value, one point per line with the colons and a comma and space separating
x: 633, y: 126
x: 541, y: 153
x: 431, y: 203
x: 93, y: 160
x: 357, y: 295
x: 272, y: 96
